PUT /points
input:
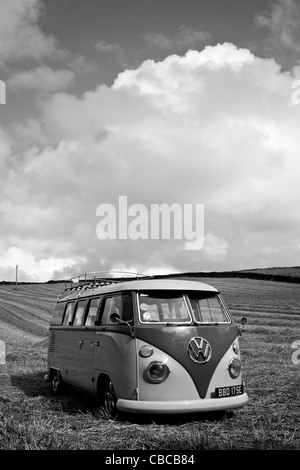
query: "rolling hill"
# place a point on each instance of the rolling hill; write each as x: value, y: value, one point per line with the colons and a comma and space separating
x: 32, y: 419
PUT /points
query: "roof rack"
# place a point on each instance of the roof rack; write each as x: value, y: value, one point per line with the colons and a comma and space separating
x: 92, y: 280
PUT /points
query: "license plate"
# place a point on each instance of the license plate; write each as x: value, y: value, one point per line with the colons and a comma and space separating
x: 232, y: 391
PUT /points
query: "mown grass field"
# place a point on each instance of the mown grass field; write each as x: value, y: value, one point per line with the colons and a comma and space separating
x: 30, y: 418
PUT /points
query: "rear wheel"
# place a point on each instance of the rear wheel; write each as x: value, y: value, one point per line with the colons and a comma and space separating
x: 109, y: 399
x: 57, y: 385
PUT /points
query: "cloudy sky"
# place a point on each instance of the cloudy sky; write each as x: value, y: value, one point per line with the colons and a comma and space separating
x: 185, y: 102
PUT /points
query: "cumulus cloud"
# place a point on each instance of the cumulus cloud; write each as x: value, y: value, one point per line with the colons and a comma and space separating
x: 42, y: 79
x: 5, y: 149
x: 283, y: 38
x: 214, y: 248
x: 20, y: 35
x: 30, y: 268
x: 111, y: 51
x: 103, y: 46
x: 185, y: 38
x: 214, y: 127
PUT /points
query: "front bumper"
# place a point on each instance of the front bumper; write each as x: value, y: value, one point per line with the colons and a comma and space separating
x: 181, y: 406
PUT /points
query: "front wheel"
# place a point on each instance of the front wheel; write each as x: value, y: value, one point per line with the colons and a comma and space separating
x: 109, y: 399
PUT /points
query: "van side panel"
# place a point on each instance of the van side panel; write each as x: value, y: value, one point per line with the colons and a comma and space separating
x: 59, y: 357
x: 85, y: 363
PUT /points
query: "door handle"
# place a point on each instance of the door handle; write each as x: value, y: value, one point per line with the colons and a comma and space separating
x: 97, y: 343
x: 81, y: 342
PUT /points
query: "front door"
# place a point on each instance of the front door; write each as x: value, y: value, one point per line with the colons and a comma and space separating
x: 115, y: 353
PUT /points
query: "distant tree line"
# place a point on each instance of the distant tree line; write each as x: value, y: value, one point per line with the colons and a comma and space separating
x: 213, y: 274
x: 234, y: 274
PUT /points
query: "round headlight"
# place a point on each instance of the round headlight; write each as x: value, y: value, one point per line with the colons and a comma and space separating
x: 157, y: 372
x: 234, y: 368
x: 235, y: 348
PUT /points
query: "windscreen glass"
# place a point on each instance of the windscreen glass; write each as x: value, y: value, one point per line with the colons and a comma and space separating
x: 184, y: 307
x: 163, y: 307
x: 208, y: 309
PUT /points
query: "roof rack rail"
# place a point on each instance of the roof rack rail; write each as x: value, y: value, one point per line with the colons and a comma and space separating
x: 93, y: 280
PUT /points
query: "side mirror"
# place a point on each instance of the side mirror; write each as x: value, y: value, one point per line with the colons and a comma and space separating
x: 115, y: 317
x: 243, y: 320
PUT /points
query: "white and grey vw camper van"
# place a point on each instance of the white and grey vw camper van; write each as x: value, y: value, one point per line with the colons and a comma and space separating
x: 147, y: 346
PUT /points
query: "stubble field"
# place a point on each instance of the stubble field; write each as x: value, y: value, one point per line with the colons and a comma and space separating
x: 30, y: 418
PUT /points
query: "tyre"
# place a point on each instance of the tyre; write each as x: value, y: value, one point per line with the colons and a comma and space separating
x: 109, y: 399
x: 57, y: 385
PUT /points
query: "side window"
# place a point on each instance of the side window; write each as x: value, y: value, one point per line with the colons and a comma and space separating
x: 121, y: 304
x: 78, y: 320
x: 58, y: 313
x: 111, y: 305
x: 92, y: 312
x: 69, y: 313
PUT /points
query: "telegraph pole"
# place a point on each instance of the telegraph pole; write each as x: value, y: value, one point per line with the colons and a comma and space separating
x: 16, y: 274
